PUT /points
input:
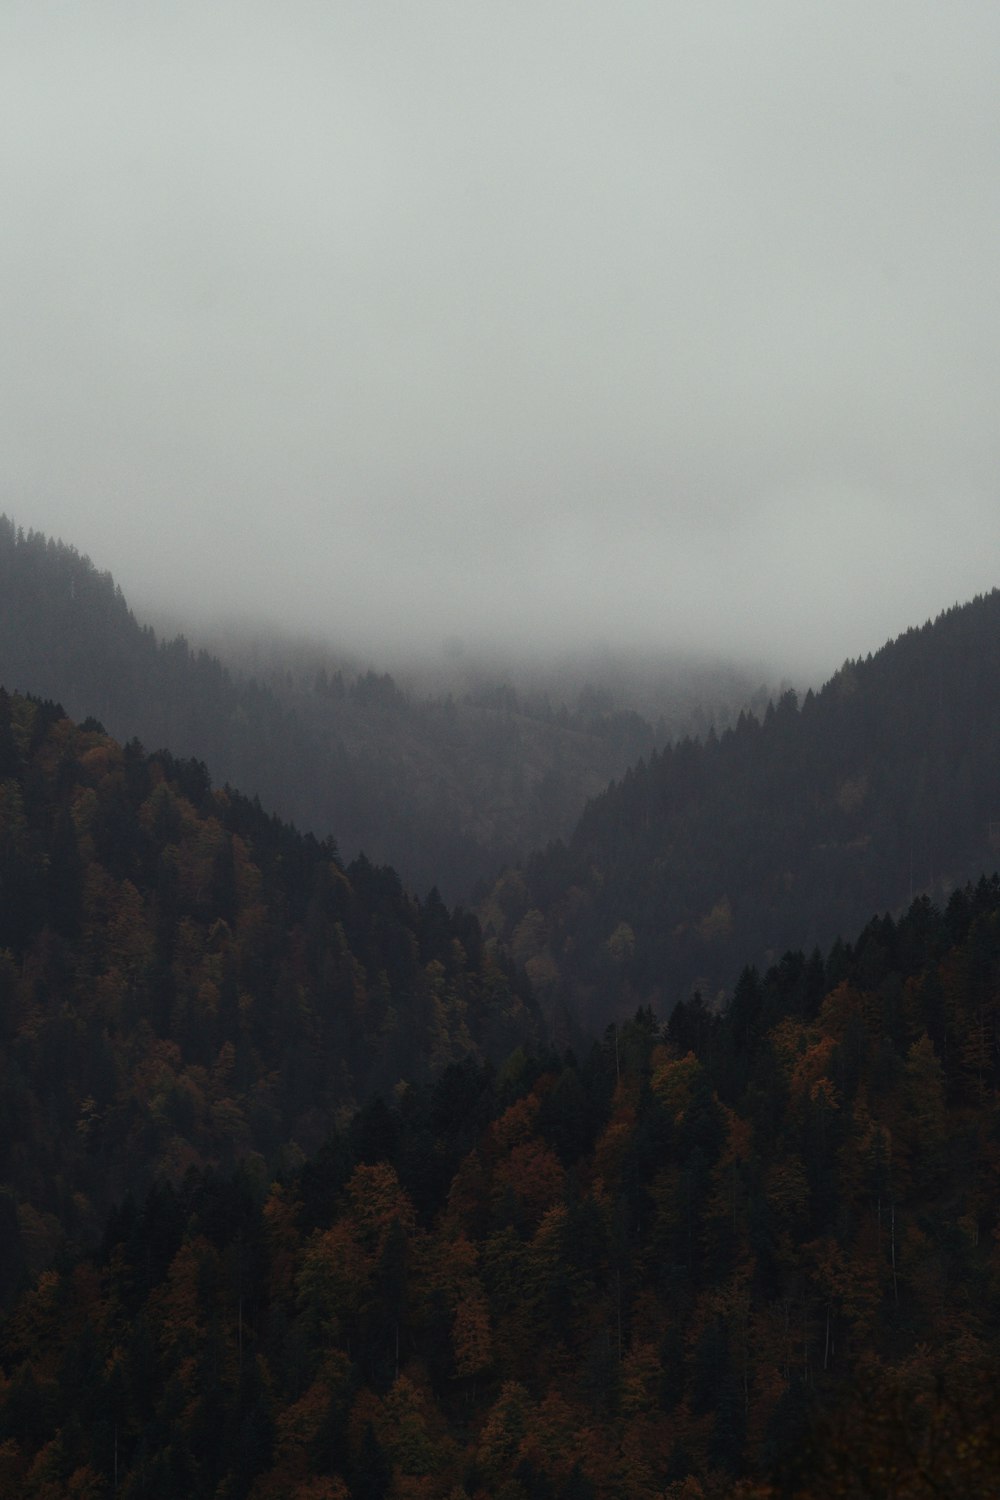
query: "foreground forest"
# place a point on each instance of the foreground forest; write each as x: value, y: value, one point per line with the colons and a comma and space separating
x: 746, y: 1254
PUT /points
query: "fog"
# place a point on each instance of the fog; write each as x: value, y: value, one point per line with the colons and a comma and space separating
x: 662, y: 324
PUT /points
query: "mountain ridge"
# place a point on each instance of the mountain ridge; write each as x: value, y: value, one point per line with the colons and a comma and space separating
x: 781, y: 831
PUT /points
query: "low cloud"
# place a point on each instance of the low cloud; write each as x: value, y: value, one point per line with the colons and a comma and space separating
x: 666, y: 325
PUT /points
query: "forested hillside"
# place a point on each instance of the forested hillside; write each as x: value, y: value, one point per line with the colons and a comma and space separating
x: 754, y: 1254
x: 447, y: 789
x: 778, y: 833
x: 297, y: 1198
x: 186, y: 981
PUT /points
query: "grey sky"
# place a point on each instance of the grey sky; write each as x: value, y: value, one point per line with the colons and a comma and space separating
x: 658, y: 322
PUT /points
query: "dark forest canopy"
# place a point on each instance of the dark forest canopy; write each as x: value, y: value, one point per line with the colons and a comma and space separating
x: 783, y: 830
x: 751, y: 1254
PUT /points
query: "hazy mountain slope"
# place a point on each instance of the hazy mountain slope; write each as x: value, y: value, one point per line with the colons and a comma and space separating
x: 883, y: 784
x: 446, y: 789
x: 753, y: 1255
x: 184, y: 980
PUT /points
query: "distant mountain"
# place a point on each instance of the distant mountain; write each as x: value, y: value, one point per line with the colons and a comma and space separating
x: 780, y: 832
x: 186, y: 981
x: 448, y: 788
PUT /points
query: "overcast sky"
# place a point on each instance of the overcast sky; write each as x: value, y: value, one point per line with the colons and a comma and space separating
x: 662, y: 322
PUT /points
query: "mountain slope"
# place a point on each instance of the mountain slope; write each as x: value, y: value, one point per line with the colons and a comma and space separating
x: 884, y: 784
x: 186, y: 981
